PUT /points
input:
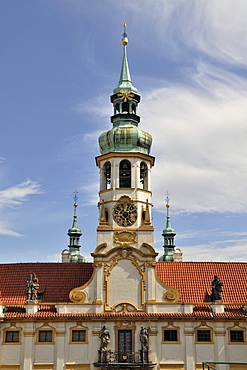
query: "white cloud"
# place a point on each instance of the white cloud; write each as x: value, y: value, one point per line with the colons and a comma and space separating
x: 5, y: 230
x: 17, y: 194
x: 216, y: 28
x: 226, y: 250
x: 200, y: 143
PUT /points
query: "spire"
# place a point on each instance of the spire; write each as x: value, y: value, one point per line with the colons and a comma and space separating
x: 168, y: 234
x: 74, y: 236
x: 125, y: 82
x: 125, y: 120
x: 168, y: 229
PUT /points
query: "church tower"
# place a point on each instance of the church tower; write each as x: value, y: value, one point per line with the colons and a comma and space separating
x: 125, y: 168
x: 124, y: 277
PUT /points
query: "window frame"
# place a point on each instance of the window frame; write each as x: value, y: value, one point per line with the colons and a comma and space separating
x: 169, y: 328
x: 82, y: 328
x: 204, y: 342
x: 230, y: 330
x: 45, y: 329
x: 6, y: 330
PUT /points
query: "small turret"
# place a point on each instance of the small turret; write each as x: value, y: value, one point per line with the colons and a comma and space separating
x: 168, y: 234
x: 74, y: 234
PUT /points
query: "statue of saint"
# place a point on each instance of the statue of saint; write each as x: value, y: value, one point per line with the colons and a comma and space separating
x: 105, y: 338
x: 216, y: 289
x: 32, y: 286
x: 144, y: 338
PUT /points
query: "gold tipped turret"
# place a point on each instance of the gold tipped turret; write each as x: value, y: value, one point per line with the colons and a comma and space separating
x: 125, y: 39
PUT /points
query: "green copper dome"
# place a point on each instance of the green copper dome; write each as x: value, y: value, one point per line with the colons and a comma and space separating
x: 126, y: 138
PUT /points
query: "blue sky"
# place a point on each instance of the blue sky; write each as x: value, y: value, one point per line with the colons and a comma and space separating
x: 61, y: 59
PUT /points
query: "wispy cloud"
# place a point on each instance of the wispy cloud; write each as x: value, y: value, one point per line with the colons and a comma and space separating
x: 5, y: 230
x: 199, y: 139
x: 14, y: 196
x: 17, y: 194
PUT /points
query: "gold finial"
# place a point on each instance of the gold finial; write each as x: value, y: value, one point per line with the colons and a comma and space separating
x: 75, y: 198
x: 167, y: 200
x: 125, y: 39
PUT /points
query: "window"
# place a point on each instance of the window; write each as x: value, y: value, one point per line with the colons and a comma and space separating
x: 12, y: 336
x: 143, y: 175
x: 125, y: 174
x: 236, y: 336
x: 170, y: 335
x: 79, y: 336
x: 45, y: 336
x: 107, y: 173
x: 203, y: 335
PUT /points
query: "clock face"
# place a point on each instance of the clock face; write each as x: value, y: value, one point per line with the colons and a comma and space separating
x: 125, y: 214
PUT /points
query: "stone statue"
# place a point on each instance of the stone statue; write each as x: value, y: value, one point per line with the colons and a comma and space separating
x: 105, y: 338
x: 144, y: 338
x: 216, y: 289
x: 32, y: 286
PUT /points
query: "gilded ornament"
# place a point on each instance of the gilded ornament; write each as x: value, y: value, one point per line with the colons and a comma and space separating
x: 125, y: 212
x: 125, y: 95
x: 124, y: 237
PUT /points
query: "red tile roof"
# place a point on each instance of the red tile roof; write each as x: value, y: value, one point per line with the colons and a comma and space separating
x: 56, y: 280
x: 192, y: 279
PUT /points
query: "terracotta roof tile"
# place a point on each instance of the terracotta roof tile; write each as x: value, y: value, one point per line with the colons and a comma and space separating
x: 56, y: 280
x: 193, y: 279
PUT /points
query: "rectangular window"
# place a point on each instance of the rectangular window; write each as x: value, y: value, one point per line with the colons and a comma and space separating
x: 203, y: 336
x: 12, y: 336
x: 45, y: 336
x: 170, y: 335
x: 237, y: 335
x: 78, y: 335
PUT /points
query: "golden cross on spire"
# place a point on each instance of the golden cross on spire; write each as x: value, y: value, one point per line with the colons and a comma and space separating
x: 75, y: 197
x: 125, y: 25
x: 167, y: 199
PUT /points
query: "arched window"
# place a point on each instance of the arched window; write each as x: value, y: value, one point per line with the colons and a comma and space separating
x: 125, y: 174
x: 144, y: 176
x: 107, y: 173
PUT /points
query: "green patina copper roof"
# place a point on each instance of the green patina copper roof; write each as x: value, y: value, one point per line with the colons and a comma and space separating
x: 125, y: 136
x: 168, y: 230
x: 74, y: 230
x: 125, y: 79
x: 125, y: 139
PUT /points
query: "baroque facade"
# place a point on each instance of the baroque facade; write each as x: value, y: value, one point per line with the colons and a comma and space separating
x: 126, y: 309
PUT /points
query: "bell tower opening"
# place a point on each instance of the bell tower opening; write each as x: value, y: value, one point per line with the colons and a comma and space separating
x: 144, y: 176
x: 125, y: 174
x: 107, y: 174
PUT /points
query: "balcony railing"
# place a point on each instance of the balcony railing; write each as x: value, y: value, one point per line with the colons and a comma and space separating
x: 213, y: 365
x: 135, y: 359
